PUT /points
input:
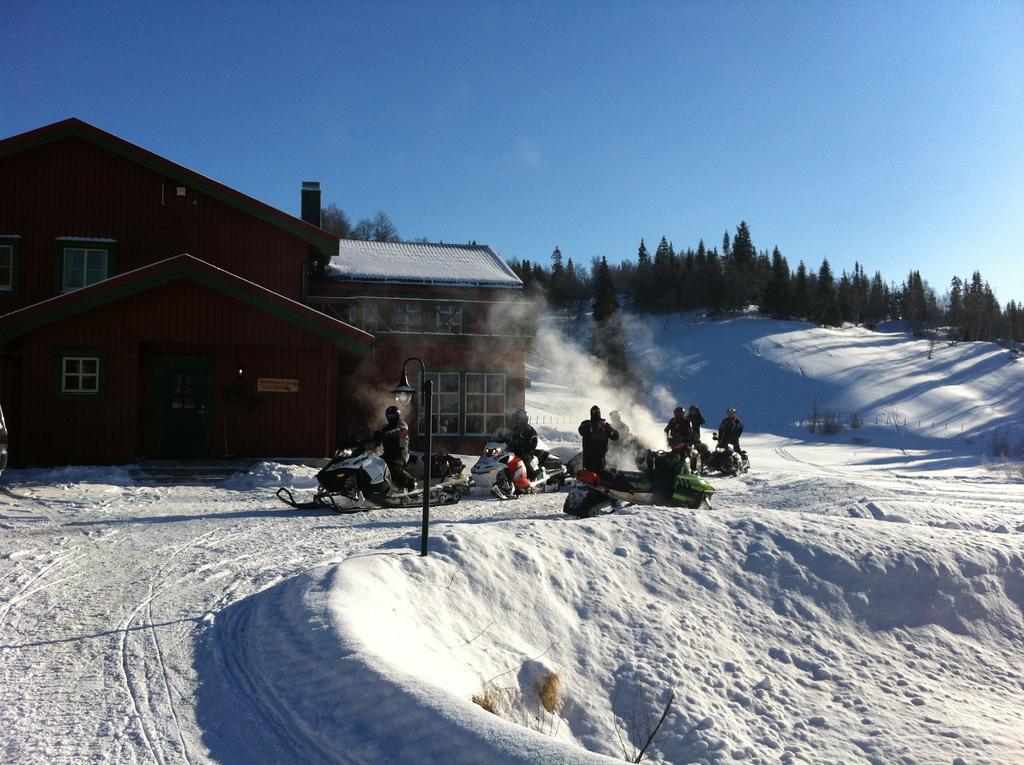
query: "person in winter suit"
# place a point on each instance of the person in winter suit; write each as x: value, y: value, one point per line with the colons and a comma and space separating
x: 679, y: 430
x: 730, y: 430
x: 596, y: 434
x: 394, y: 437
x: 696, y: 420
x: 522, y: 441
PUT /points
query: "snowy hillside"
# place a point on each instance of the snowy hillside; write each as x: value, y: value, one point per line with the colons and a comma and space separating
x: 776, y: 372
x: 857, y: 597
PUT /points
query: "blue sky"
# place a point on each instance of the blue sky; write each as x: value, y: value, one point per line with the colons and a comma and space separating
x: 889, y: 133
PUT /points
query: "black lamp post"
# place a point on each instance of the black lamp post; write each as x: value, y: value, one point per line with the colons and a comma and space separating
x: 403, y: 394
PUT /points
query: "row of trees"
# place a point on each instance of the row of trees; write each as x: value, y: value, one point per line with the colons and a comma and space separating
x: 739, y: 276
x: 379, y: 228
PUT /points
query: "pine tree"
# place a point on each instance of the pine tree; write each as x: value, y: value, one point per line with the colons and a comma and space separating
x: 801, y: 293
x: 643, y: 280
x: 777, y: 297
x: 740, y: 265
x: 605, y: 303
x: 664, y: 284
x: 876, y: 309
x: 826, y: 305
x: 956, y: 309
x: 557, y: 292
x: 607, y: 335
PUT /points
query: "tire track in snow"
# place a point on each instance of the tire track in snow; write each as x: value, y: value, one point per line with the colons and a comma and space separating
x: 24, y: 593
x: 125, y: 629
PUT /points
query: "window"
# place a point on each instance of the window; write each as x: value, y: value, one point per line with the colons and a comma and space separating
x: 183, y: 391
x: 444, y: 403
x: 371, y: 317
x: 448, y: 318
x: 83, y: 266
x: 80, y: 375
x: 6, y: 267
x: 363, y: 315
x: 485, y: 402
x: 407, y: 317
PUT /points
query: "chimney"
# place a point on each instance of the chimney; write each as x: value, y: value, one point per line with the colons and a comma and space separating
x: 311, y: 202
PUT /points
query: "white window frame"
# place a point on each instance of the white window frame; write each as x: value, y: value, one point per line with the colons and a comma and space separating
x: 405, y: 313
x: 448, y: 318
x: 483, y: 398
x: 80, y: 375
x: 87, y: 254
x: 7, y: 252
x: 435, y: 404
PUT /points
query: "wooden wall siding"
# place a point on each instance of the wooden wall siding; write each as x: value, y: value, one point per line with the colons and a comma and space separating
x: 181, y: 318
x: 74, y: 188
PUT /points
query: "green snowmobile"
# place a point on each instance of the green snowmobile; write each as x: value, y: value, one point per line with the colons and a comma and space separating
x: 665, y: 480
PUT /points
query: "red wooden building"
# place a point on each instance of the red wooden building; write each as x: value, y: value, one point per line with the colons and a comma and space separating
x: 456, y: 307
x: 151, y: 312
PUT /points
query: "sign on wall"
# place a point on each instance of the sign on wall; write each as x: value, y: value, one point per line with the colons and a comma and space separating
x: 276, y: 385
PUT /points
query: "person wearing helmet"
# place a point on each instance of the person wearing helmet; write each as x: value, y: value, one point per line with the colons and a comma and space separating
x: 522, y: 441
x: 596, y: 434
x: 730, y: 430
x: 394, y: 437
x: 679, y: 430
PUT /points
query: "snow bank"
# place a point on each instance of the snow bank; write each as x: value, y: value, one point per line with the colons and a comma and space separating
x: 271, y: 475
x: 72, y: 474
x: 830, y: 638
x: 320, y: 685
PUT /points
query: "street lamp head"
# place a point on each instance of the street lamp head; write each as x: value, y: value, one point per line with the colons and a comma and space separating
x: 403, y: 392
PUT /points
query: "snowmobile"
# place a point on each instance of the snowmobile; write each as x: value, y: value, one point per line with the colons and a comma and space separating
x: 358, y: 478
x: 506, y: 475
x: 726, y: 460
x: 667, y: 479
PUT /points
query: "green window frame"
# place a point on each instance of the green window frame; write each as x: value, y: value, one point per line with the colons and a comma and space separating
x: 80, y: 372
x: 486, y: 397
x: 9, y: 246
x: 81, y: 263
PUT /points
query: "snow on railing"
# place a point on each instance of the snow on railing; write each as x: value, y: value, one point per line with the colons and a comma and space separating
x: 550, y: 419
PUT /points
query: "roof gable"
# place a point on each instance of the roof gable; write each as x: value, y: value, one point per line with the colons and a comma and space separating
x: 324, y: 241
x: 467, y: 265
x: 155, y: 275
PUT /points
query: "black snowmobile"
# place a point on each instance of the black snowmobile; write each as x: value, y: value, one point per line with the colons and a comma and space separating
x: 726, y: 460
x: 667, y: 479
x: 358, y: 478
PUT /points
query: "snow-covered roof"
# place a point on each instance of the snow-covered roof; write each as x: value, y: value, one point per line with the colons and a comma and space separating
x: 463, y: 265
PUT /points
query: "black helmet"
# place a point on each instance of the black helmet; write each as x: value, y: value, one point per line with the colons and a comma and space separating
x: 730, y: 411
x: 520, y: 415
x: 392, y: 413
x: 595, y: 412
x: 679, y: 411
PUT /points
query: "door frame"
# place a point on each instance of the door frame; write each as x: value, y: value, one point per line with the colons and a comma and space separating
x: 160, y: 363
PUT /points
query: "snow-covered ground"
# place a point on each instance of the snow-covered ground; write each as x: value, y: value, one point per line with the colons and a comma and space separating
x: 855, y: 598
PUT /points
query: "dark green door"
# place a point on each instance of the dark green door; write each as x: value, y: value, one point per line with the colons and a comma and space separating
x: 184, y: 420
